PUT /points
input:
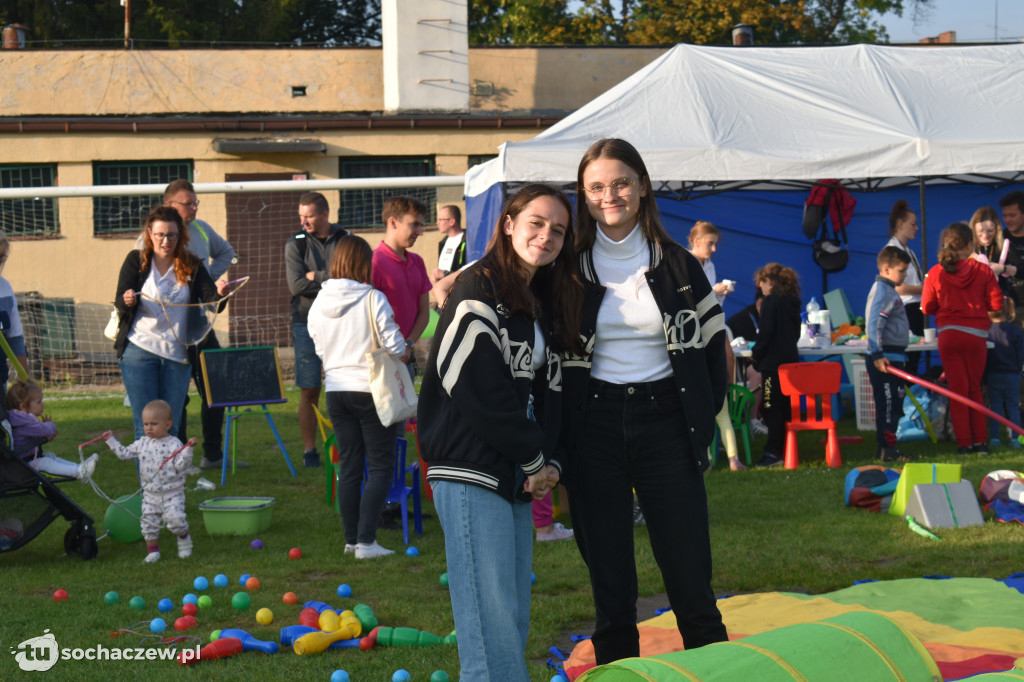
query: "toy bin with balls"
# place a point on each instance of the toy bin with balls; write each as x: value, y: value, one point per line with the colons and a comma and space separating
x: 237, y: 515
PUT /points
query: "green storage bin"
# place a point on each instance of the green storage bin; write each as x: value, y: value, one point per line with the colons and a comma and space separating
x: 237, y: 515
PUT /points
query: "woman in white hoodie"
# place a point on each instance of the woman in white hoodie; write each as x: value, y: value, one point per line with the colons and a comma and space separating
x: 340, y: 328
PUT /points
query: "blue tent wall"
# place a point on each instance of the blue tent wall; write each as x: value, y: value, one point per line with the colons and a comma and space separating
x: 761, y: 227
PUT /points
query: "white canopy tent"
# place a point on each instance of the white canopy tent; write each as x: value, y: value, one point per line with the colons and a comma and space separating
x: 708, y: 119
x: 726, y: 114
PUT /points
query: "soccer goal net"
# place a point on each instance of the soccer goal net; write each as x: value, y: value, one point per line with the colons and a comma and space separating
x: 67, y: 246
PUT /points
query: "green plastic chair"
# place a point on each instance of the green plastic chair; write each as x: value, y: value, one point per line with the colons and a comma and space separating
x: 740, y: 401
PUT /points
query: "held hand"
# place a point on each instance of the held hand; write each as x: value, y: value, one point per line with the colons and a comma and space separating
x: 882, y: 365
x: 222, y: 287
x: 997, y: 269
x: 407, y: 354
x: 129, y: 298
x: 721, y: 288
x: 553, y: 476
x: 191, y: 442
x: 537, y: 485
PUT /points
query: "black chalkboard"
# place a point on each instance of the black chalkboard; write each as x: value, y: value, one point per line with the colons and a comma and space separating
x: 242, y: 376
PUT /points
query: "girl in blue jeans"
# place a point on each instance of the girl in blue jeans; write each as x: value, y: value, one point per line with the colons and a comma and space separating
x: 494, y: 364
x: 154, y: 288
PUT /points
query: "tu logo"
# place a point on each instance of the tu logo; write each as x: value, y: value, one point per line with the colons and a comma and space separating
x: 37, y: 654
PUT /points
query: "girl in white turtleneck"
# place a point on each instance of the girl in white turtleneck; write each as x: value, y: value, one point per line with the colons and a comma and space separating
x: 640, y: 403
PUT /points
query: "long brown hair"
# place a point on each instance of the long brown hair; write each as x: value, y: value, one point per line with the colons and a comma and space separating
x: 953, y: 241
x: 557, y: 285
x: 183, y: 263
x: 784, y: 280
x: 352, y: 259
x: 981, y: 215
x: 619, y: 150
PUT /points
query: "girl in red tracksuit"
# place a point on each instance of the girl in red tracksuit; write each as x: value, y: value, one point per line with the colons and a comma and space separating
x: 959, y: 292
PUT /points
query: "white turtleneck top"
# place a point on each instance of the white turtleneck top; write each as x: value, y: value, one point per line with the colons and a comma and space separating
x: 630, y: 343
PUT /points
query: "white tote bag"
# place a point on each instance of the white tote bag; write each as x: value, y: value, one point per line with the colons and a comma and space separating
x: 390, y: 381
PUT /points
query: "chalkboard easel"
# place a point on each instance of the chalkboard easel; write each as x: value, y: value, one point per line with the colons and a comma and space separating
x: 237, y: 378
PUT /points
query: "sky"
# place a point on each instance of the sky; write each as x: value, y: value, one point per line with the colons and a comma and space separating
x: 973, y: 20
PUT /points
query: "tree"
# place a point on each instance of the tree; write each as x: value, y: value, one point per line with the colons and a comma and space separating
x: 183, y: 22
x: 647, y: 22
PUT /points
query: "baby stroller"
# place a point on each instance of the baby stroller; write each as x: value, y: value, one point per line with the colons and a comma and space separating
x: 30, y: 501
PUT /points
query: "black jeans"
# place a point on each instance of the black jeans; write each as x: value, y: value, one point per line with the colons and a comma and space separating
x: 212, y: 418
x: 887, y: 390
x: 362, y: 440
x: 636, y: 437
x: 776, y: 409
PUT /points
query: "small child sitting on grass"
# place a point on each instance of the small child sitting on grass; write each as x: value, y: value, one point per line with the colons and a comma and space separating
x: 1002, y: 370
x: 888, y: 331
x: 28, y: 423
x: 163, y: 463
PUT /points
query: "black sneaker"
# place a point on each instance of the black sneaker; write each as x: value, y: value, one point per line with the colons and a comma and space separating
x: 769, y: 460
x: 311, y: 459
x: 894, y: 455
x: 965, y: 450
x: 979, y: 449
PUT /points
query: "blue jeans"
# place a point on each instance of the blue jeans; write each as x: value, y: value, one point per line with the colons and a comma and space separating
x: 636, y: 436
x: 148, y: 377
x: 1003, y: 388
x: 363, y: 442
x: 307, y: 363
x: 489, y: 546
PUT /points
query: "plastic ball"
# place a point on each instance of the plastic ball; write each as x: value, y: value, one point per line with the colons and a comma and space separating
x: 264, y: 616
x: 444, y: 580
x: 122, y: 519
x: 294, y: 553
x: 165, y: 605
x: 241, y: 601
x: 290, y: 598
x: 189, y: 609
x: 60, y: 595
x: 189, y: 599
x: 412, y: 551
x: 111, y: 598
x: 401, y: 676
x: 252, y: 583
x: 215, y: 635
x: 205, y: 602
x: 366, y: 643
x: 344, y: 591
x: 200, y: 583
x: 157, y: 625
x: 439, y: 676
x: 558, y: 678
x: 242, y: 578
x: 136, y: 603
x: 533, y: 578
x: 257, y: 544
x: 220, y: 580
x: 339, y: 676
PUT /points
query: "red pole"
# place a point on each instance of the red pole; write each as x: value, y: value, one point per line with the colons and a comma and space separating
x: 957, y: 397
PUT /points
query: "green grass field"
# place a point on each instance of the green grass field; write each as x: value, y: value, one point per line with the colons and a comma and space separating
x: 771, y: 530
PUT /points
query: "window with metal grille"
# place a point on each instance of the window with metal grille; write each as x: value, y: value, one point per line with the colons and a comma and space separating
x: 125, y: 214
x: 361, y: 208
x: 33, y: 216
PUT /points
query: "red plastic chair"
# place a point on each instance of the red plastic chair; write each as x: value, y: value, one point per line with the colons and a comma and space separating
x: 813, y: 383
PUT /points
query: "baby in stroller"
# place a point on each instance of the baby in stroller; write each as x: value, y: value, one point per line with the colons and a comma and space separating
x: 25, y: 412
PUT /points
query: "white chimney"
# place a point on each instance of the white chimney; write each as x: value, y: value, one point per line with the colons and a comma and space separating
x: 426, y: 55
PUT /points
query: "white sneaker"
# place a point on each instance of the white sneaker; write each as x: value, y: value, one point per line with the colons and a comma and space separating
x: 87, y: 468
x: 151, y: 558
x: 371, y: 551
x: 350, y: 549
x: 558, y: 532
x: 185, y: 547
x: 758, y: 427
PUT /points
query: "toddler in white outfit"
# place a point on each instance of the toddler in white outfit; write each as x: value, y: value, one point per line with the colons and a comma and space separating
x: 163, y: 462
